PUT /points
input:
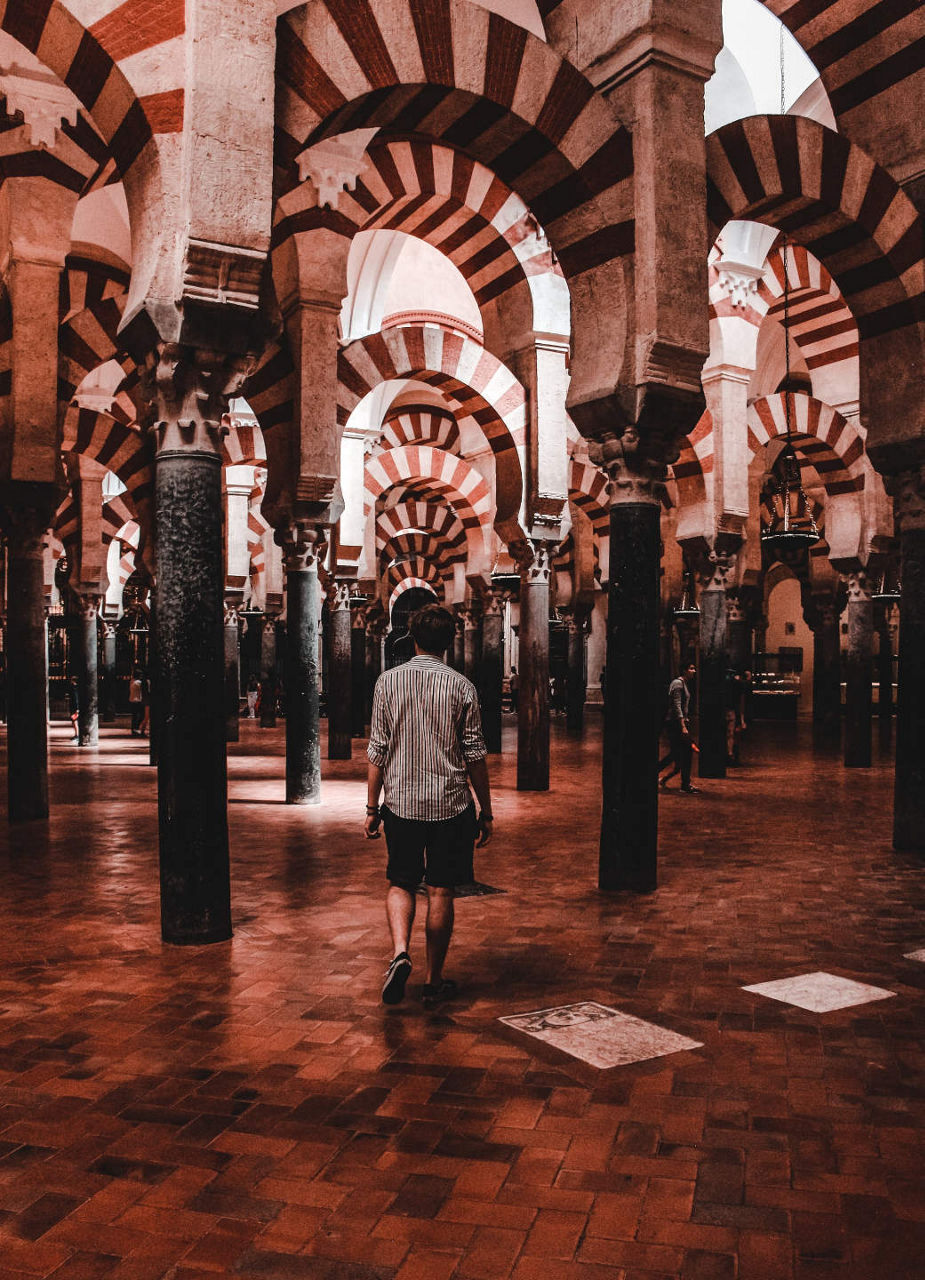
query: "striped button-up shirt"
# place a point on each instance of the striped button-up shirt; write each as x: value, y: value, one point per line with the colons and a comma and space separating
x: 425, y: 728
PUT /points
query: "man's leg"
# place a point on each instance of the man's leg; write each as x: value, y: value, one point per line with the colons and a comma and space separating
x: 399, y: 910
x: 687, y: 756
x: 439, y: 930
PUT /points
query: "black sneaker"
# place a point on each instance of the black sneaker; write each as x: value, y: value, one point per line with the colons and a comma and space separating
x: 434, y: 993
x: 393, y: 989
x: 691, y: 791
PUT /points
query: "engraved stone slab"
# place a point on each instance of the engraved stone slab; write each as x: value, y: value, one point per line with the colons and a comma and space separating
x: 599, y: 1035
x: 820, y: 992
x: 916, y: 955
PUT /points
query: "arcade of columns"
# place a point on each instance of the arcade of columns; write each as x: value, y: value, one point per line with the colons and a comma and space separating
x: 198, y: 414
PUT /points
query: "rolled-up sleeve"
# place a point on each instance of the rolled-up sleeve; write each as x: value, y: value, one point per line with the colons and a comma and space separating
x: 377, y: 749
x: 473, y: 744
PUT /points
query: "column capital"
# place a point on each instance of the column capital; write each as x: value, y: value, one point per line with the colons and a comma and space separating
x: 907, y: 489
x: 188, y: 391
x: 26, y: 518
x: 635, y: 476
x: 87, y: 607
x: 493, y: 603
x: 109, y: 631
x: 715, y: 570
x: 302, y: 545
x: 539, y: 567
x: 859, y: 584
x: 231, y: 613
x: 338, y: 596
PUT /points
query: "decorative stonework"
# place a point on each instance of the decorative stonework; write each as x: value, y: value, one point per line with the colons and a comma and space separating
x: 859, y: 585
x: 223, y: 273
x: 231, y: 614
x: 715, y: 571
x: 492, y: 603
x: 539, y: 568
x: 907, y: 489
x: 634, y: 477
x: 338, y: 596
x: 188, y: 393
x: 44, y: 105
x: 739, y: 280
x: 302, y: 546
x: 334, y: 165
x: 87, y: 607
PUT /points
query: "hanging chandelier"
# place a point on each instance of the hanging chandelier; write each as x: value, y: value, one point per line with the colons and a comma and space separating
x: 889, y: 590
x: 688, y: 609
x: 791, y: 529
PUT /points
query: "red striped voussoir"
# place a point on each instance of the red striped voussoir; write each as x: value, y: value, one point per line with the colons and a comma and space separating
x: 434, y: 517
x: 827, y: 441
x: 477, y: 83
x: 420, y: 424
x: 430, y: 545
x: 828, y: 195
x: 432, y: 471
x: 475, y: 382
x: 589, y: 490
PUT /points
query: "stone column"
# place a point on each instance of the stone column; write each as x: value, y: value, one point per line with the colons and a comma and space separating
x: 373, y: 664
x: 859, y: 671
x: 471, y: 642
x: 85, y: 632
x: 491, y: 669
x: 634, y: 698
x: 108, y: 681
x: 232, y: 674
x: 908, y: 491
x: 533, y: 673
x: 458, y: 656
x: 188, y: 391
x: 340, y: 715
x: 714, y: 663
x: 885, y: 629
x: 823, y: 618
x: 27, y: 664
x: 268, y: 677
x: 577, y: 676
x: 303, y: 607
x: 358, y: 672
x: 738, y: 631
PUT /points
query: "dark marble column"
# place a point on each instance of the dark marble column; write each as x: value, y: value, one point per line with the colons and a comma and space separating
x: 188, y: 391
x: 634, y: 698
x: 576, y: 686
x: 491, y: 669
x: 301, y: 676
x: 458, y: 656
x: 26, y: 658
x: 908, y: 490
x: 885, y: 630
x: 714, y: 664
x: 823, y: 618
x: 738, y: 631
x: 373, y: 664
x: 108, y: 677
x: 86, y: 663
x: 340, y: 714
x: 859, y: 672
x: 268, y: 672
x: 533, y: 674
x: 232, y: 674
x: 358, y: 673
x: 472, y: 642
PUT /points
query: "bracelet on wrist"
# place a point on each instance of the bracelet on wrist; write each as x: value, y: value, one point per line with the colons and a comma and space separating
x: 372, y: 808
x: 486, y: 817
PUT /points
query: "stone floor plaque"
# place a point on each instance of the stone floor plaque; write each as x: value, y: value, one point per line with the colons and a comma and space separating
x: 820, y: 992
x: 599, y: 1035
x: 916, y: 955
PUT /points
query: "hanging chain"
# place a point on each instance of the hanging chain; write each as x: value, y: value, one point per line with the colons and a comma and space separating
x: 783, y: 76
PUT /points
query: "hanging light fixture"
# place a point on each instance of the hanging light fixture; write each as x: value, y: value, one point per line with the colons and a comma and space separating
x: 688, y: 610
x: 890, y: 590
x: 792, y: 527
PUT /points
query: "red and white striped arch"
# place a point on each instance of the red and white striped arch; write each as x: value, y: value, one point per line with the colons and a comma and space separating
x: 420, y: 424
x: 435, y: 518
x: 695, y: 462
x: 409, y: 583
x: 429, y: 546
x: 115, y: 442
x: 457, y: 73
x: 589, y: 490
x: 827, y: 441
x: 437, y: 472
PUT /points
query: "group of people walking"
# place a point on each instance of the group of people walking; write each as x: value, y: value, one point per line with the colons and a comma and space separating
x: 681, y: 744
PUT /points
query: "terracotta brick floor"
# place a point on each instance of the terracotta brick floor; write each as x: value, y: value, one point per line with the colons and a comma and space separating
x: 251, y: 1110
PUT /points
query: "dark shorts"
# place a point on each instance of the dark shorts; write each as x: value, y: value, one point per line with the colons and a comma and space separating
x: 439, y: 853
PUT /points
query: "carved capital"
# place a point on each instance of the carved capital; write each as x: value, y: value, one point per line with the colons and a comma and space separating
x: 715, y: 570
x: 634, y: 475
x: 907, y: 489
x: 739, y: 280
x: 26, y: 527
x: 109, y: 631
x: 302, y: 547
x: 87, y: 607
x: 539, y: 567
x: 859, y: 586
x: 338, y: 596
x: 493, y: 603
x: 231, y: 613
x: 188, y: 393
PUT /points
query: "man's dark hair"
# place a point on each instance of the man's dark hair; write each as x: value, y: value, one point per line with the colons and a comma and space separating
x: 432, y: 628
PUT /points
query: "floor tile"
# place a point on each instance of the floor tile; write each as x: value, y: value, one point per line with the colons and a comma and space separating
x: 820, y: 992
x: 598, y: 1034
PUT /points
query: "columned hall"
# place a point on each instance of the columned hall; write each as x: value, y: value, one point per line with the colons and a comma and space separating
x: 602, y: 326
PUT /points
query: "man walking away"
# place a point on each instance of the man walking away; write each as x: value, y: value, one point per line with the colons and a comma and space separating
x: 425, y: 747
x: 680, y: 745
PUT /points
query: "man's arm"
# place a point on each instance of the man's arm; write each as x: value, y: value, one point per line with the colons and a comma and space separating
x: 377, y: 751
x: 478, y: 776
x: 373, y: 788
x: 677, y: 705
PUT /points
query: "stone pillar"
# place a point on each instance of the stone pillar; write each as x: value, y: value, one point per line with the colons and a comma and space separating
x: 714, y: 663
x: 188, y: 391
x: 268, y: 673
x: 533, y: 673
x: 303, y: 608
x: 471, y: 642
x: 458, y: 656
x: 373, y: 665
x: 823, y: 618
x: 26, y: 658
x: 577, y: 676
x: 108, y: 681
x: 885, y: 629
x: 491, y: 669
x: 634, y: 697
x: 908, y: 491
x: 358, y: 673
x: 738, y: 631
x: 340, y: 715
x: 232, y: 674
x: 85, y: 632
x: 859, y: 671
